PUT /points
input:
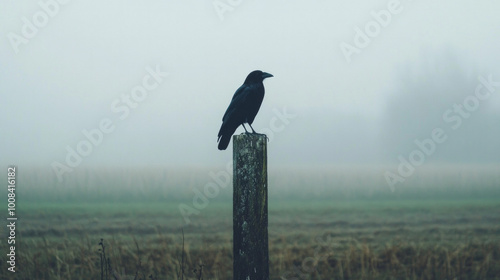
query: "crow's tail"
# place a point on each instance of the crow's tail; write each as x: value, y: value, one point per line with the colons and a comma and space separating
x: 225, y: 134
x: 224, y: 142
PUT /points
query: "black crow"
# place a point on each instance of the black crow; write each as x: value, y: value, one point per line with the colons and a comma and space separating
x: 243, y: 107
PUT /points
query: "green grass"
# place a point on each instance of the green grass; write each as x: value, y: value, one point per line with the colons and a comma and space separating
x: 442, y: 224
x: 58, y: 239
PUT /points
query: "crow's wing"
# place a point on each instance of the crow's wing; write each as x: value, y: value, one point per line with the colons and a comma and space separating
x: 234, y: 116
x: 237, y: 104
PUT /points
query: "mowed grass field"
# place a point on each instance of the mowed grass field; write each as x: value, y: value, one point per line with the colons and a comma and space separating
x: 323, y: 232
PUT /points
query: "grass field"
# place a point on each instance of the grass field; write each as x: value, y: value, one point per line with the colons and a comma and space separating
x: 328, y: 234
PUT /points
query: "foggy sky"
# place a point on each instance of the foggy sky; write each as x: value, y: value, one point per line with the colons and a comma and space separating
x: 89, y: 54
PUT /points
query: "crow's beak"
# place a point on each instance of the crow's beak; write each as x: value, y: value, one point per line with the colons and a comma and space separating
x: 266, y: 75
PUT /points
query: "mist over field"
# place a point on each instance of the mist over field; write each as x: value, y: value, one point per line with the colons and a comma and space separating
x: 382, y: 119
x: 332, y: 103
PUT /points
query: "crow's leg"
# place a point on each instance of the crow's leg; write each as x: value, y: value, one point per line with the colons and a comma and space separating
x: 246, y: 131
x: 253, y: 132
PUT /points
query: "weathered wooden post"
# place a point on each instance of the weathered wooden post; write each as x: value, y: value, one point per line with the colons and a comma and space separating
x: 250, y: 240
